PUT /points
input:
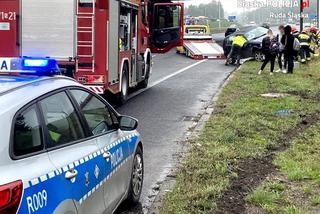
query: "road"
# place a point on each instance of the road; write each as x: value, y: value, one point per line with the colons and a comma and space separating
x: 179, y: 89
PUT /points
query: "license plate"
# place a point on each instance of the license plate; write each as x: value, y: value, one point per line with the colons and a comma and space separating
x: 5, y: 64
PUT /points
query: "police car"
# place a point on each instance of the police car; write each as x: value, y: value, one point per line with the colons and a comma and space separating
x: 63, y: 149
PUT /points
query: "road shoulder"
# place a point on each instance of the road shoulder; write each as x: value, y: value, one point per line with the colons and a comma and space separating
x: 193, y: 133
x: 255, y: 120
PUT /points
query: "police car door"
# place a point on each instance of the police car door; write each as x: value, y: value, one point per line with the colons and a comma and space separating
x: 103, y: 124
x: 42, y: 191
x: 75, y: 156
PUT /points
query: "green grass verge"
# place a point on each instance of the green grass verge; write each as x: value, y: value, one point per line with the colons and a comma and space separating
x: 300, y: 171
x: 268, y: 195
x: 243, y: 125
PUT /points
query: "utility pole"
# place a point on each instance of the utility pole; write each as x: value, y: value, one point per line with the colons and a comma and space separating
x: 318, y: 10
x: 219, y: 5
x: 301, y: 15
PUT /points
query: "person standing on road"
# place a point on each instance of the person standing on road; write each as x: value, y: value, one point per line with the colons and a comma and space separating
x: 236, y: 50
x: 282, y: 67
x: 288, y: 41
x: 270, y: 49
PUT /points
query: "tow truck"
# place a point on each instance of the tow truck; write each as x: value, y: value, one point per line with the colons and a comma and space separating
x: 106, y: 45
x: 198, y: 42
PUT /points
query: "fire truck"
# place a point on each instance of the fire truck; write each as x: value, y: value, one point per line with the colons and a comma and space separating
x: 106, y: 45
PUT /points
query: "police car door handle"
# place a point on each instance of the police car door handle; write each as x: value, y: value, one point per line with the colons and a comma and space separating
x: 106, y: 155
x: 71, y: 174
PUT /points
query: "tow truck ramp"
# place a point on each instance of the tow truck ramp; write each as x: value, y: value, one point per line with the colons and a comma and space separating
x: 203, y: 49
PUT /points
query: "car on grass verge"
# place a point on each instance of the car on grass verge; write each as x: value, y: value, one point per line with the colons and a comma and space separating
x: 230, y: 30
x: 252, y: 48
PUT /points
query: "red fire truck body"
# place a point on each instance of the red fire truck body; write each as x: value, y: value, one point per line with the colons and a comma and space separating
x: 106, y: 45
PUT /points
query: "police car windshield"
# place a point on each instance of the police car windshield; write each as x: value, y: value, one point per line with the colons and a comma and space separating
x: 256, y: 33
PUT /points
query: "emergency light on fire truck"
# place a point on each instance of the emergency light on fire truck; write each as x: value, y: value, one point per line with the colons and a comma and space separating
x: 104, y: 44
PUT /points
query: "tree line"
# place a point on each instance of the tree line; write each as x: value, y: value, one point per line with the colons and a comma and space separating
x: 210, y: 10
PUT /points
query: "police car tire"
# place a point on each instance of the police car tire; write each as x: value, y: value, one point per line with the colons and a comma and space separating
x: 132, y: 198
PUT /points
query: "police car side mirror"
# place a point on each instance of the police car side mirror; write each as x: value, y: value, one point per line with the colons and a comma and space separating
x: 128, y: 123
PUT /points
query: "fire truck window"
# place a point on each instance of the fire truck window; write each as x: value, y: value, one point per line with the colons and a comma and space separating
x: 176, y: 16
x: 134, y: 30
x: 144, y: 12
x: 168, y: 17
x: 124, y: 29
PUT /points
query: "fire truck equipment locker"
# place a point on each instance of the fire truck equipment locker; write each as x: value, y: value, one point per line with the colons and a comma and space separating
x: 9, y: 28
x: 48, y: 29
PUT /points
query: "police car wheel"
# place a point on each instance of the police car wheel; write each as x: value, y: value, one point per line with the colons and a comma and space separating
x: 136, y: 182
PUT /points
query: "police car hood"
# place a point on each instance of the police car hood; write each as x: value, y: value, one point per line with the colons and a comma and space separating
x: 9, y: 83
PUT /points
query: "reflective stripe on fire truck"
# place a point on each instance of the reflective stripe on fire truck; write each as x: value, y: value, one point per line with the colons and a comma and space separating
x: 96, y: 89
x: 45, y: 193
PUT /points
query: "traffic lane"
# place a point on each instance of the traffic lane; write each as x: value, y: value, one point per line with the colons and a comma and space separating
x: 165, y: 64
x: 164, y: 113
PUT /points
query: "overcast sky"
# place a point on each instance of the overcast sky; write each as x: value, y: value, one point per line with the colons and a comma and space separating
x: 229, y: 5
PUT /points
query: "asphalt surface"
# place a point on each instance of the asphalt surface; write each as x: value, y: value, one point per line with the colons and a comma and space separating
x: 179, y: 90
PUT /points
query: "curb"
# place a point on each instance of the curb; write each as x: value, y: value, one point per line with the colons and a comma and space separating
x: 168, y: 184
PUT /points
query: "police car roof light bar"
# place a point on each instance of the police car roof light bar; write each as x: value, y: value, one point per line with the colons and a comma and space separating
x: 39, y: 66
x: 35, y: 62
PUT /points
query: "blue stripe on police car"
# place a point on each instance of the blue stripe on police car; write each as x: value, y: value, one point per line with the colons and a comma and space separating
x: 45, y: 193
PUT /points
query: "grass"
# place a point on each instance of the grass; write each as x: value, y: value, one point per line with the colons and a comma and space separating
x: 243, y: 125
x: 316, y: 200
x: 267, y: 196
x: 299, y: 167
x: 301, y: 161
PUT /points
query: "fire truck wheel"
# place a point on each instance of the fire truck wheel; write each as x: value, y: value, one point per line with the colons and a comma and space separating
x: 145, y: 82
x: 123, y: 95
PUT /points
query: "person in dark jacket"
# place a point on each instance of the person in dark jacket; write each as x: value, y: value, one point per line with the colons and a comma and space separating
x: 287, y: 41
x: 282, y: 67
x: 270, y: 49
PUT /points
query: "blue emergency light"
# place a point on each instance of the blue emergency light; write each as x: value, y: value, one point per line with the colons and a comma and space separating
x: 39, y: 66
x: 35, y: 63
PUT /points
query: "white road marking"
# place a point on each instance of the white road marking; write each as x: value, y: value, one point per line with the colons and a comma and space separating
x: 176, y: 73
x: 167, y: 77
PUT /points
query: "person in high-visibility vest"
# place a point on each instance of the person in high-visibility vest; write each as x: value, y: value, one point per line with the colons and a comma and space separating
x: 236, y: 50
x: 305, y: 42
x: 314, y: 34
x: 120, y: 44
